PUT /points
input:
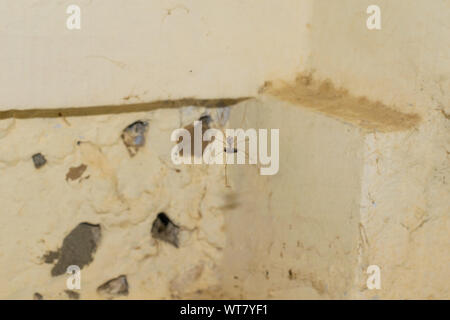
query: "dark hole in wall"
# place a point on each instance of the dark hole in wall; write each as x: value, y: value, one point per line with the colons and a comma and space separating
x: 164, y: 229
x: 133, y: 136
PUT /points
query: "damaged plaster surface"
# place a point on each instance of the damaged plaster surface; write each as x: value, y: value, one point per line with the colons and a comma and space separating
x: 353, y: 190
x: 404, y: 213
x: 96, y: 205
x: 363, y: 176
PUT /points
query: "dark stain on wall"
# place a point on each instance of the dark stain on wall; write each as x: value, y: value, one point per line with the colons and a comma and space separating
x: 78, y: 248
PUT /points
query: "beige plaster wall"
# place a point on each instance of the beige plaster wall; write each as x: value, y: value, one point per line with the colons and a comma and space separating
x: 295, y: 235
x: 406, y: 64
x: 348, y: 195
x: 140, y: 51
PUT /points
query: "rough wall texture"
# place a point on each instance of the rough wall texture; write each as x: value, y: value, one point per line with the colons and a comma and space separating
x: 90, y: 191
x: 362, y: 181
x: 90, y: 177
x: 406, y: 64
